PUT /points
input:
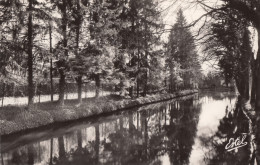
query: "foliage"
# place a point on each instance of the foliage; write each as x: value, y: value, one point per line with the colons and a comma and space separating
x: 181, y: 58
x: 232, y: 46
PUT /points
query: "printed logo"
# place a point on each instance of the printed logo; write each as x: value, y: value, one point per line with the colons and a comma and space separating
x: 234, y: 144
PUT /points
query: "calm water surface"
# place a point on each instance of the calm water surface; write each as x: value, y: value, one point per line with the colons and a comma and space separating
x: 192, y: 130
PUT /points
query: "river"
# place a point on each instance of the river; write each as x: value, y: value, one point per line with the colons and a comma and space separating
x: 190, y: 130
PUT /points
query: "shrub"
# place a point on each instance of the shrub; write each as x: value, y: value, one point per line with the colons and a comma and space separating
x: 108, y: 107
x: 24, y: 119
x: 82, y: 111
x: 42, y: 117
x: 133, y: 103
x: 146, y: 100
x: 94, y: 109
x: 64, y: 114
x: 139, y: 101
x: 119, y: 104
x: 2, y: 116
x: 32, y: 119
x: 8, y: 127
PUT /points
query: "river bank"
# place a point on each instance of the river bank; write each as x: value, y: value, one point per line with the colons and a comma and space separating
x: 15, y: 119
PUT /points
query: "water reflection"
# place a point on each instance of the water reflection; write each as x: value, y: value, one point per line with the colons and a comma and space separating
x: 233, y: 125
x: 164, y: 133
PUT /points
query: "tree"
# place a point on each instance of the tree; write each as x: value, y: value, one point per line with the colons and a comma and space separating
x: 62, y: 47
x: 76, y: 24
x: 103, y: 35
x: 24, y: 35
x: 232, y: 46
x: 51, y: 59
x: 182, y: 58
x: 250, y: 10
x: 138, y: 40
x: 30, y: 56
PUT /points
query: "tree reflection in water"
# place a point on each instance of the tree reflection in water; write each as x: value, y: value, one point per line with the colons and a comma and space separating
x: 154, y: 138
x: 233, y: 125
x: 141, y: 136
x: 136, y: 137
x: 181, y: 131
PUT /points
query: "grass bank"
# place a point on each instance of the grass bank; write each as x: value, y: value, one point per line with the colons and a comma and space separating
x: 14, y: 119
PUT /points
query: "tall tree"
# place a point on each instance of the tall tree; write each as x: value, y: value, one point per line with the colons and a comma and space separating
x: 63, y: 7
x: 182, y: 58
x: 76, y: 26
x: 138, y: 38
x: 250, y: 10
x: 51, y: 59
x: 103, y: 35
x: 24, y: 33
x: 232, y: 46
x: 30, y: 56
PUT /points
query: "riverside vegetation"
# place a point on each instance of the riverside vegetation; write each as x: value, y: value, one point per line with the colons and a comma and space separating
x: 15, y: 119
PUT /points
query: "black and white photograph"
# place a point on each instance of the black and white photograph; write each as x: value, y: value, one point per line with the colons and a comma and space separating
x: 129, y: 82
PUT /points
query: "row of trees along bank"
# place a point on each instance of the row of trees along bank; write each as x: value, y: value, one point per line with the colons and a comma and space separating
x: 227, y: 39
x: 113, y: 41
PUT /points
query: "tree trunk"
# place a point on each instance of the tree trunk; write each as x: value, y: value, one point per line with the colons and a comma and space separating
x: 51, y: 67
x: 79, y: 137
x: 146, y: 62
x: 137, y: 87
x: 2, y: 159
x: 131, y: 124
x: 3, y: 96
x: 97, y: 143
x: 39, y: 91
x: 97, y: 81
x: 137, y: 118
x: 61, y: 87
x: 79, y: 78
x: 145, y: 131
x: 79, y: 82
x: 138, y: 66
x: 30, y: 155
x: 257, y: 102
x: 242, y: 83
x: 131, y: 91
x: 30, y: 59
x: 257, y: 105
x: 63, y: 59
x: 253, y: 92
x: 171, y: 79
x: 246, y: 84
x: 121, y: 124
x: 66, y: 91
x: 145, y: 84
x: 86, y: 89
x: 51, y: 152
x: 61, y: 147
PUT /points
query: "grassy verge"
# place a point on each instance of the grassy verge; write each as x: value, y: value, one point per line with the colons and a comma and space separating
x: 14, y: 119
